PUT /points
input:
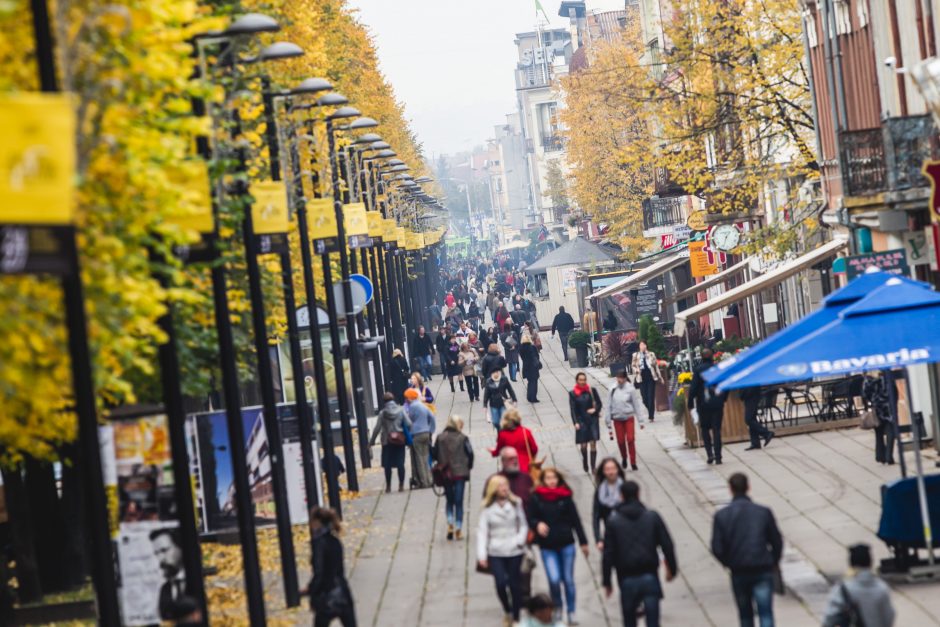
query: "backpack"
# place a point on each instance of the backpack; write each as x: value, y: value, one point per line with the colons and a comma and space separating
x: 851, y: 616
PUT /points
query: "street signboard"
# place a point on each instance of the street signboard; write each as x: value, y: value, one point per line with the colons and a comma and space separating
x: 366, y: 285
x: 915, y: 246
x: 699, y: 261
x: 696, y: 221
x: 889, y: 260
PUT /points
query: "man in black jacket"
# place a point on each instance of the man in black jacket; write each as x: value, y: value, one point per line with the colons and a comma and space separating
x: 564, y: 324
x: 633, y: 535
x: 711, y: 407
x: 422, y: 348
x: 745, y: 539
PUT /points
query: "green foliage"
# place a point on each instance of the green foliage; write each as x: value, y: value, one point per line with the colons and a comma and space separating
x: 649, y: 332
x: 579, y: 338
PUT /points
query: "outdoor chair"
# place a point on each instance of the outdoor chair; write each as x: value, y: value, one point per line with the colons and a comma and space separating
x: 767, y: 409
x: 799, y: 398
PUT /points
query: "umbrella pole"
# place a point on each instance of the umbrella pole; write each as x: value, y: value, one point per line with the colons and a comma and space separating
x: 921, y: 489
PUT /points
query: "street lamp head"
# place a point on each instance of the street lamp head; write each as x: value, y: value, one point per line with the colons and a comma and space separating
x: 362, y: 123
x: 368, y: 138
x: 394, y: 162
x: 424, y: 179
x: 399, y: 168
x: 344, y: 112
x: 279, y: 50
x: 383, y: 154
x: 384, y: 147
x: 252, y: 24
x: 332, y: 99
x: 311, y: 86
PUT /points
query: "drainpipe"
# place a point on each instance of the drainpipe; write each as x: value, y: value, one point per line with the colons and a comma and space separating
x: 837, y: 56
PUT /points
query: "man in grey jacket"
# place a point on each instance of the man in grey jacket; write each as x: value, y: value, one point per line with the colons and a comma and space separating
x: 862, y: 598
x: 624, y: 408
x: 423, y: 426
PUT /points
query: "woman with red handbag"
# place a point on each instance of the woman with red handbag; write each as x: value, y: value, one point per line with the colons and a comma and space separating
x: 391, y: 424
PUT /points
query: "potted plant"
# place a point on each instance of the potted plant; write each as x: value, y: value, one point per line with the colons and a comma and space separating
x: 579, y: 340
x: 617, y: 349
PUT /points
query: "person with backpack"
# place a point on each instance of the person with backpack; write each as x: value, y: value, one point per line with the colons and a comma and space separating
x: 585, y: 404
x: 862, y: 598
x: 391, y: 424
x: 710, y: 405
x: 746, y: 540
x: 554, y: 517
x: 632, y: 541
x: 453, y: 452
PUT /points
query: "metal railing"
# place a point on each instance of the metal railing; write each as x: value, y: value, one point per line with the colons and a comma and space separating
x: 863, y: 162
x: 662, y: 212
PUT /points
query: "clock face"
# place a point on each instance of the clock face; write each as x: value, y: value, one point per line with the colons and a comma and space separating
x: 726, y: 237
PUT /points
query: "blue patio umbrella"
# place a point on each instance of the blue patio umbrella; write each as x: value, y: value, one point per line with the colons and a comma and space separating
x: 831, y: 306
x: 896, y: 325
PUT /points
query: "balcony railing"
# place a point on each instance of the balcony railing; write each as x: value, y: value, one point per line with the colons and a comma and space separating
x: 553, y: 142
x: 888, y: 158
x: 863, y: 162
x: 663, y: 184
x: 662, y: 212
x: 909, y: 141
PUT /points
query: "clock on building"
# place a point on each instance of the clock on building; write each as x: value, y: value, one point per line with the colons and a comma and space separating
x: 725, y: 237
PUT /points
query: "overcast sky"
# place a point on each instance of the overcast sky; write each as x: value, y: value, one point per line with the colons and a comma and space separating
x: 451, y: 61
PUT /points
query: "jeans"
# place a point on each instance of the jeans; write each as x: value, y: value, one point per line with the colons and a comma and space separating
x: 750, y: 589
x: 473, y: 387
x: 424, y: 366
x: 422, y: 449
x: 711, y: 433
x: 625, y: 433
x: 507, y: 576
x: 564, y: 345
x: 636, y: 590
x: 496, y: 415
x: 559, y: 568
x: 648, y: 392
x: 532, y: 389
x: 453, y: 502
x: 513, y: 370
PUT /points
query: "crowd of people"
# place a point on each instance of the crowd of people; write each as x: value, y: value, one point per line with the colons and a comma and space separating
x: 529, y: 514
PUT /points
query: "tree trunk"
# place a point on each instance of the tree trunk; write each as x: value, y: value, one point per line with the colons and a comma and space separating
x: 24, y: 554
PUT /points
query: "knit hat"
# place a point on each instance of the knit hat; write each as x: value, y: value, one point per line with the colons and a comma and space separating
x: 411, y: 394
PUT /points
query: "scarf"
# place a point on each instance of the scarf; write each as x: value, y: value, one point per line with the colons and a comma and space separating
x: 582, y: 389
x: 553, y: 494
x: 609, y: 496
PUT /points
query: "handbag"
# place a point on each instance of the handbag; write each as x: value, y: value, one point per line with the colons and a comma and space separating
x: 337, y: 599
x: 529, y: 563
x: 440, y: 474
x: 484, y: 570
x: 396, y: 438
x: 535, y: 467
x: 869, y: 419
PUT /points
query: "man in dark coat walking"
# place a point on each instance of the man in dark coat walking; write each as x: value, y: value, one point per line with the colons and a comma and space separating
x: 632, y: 539
x: 746, y: 540
x: 711, y: 407
x: 564, y: 324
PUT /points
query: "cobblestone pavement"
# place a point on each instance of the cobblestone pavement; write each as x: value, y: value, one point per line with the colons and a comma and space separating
x: 823, y: 488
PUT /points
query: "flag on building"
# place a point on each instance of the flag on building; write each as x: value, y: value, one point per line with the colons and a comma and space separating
x: 539, y: 7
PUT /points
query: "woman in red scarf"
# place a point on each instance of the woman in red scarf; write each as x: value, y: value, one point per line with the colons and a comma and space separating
x: 554, y: 517
x: 512, y: 433
x: 586, y: 407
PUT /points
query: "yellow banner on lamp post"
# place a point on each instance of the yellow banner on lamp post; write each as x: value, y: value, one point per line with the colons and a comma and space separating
x: 322, y: 219
x: 37, y: 159
x: 402, y: 237
x: 355, y: 220
x: 269, y: 212
x: 376, y: 228
x: 389, y: 230
x: 192, y: 177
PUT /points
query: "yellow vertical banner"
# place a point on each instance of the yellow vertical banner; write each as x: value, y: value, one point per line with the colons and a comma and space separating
x: 355, y: 220
x: 269, y: 212
x: 321, y: 218
x: 192, y: 178
x: 402, y: 237
x: 37, y: 159
x: 389, y: 230
x: 376, y: 228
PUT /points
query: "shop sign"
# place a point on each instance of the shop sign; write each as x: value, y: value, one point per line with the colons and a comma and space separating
x: 696, y: 221
x: 915, y: 246
x: 668, y: 241
x: 931, y: 170
x: 699, y: 261
x: 894, y: 261
x: 681, y: 232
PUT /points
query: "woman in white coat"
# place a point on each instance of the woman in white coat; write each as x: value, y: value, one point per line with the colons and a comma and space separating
x: 501, y: 537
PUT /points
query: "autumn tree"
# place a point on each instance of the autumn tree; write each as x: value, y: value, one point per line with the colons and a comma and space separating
x: 556, y: 188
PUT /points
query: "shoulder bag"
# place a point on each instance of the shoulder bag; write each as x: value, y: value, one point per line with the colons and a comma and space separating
x: 869, y: 419
x: 535, y: 467
x: 396, y: 438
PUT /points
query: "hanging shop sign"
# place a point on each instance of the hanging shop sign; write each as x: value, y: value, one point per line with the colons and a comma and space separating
x: 931, y: 170
x: 696, y: 221
x: 894, y: 261
x: 699, y: 261
x: 37, y: 159
x: 269, y: 211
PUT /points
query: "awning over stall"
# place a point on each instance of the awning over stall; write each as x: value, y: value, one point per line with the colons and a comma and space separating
x: 761, y: 283
x: 712, y: 281
x: 636, y: 279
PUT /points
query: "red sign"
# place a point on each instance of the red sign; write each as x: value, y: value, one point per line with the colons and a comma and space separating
x: 668, y: 241
x: 931, y: 170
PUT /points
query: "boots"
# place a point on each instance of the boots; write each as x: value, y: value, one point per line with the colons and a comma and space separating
x: 461, y: 385
x: 584, y: 459
x: 593, y: 459
x: 450, y: 532
x: 451, y: 384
